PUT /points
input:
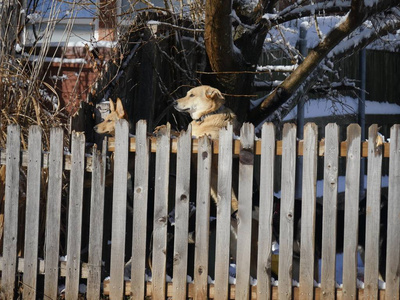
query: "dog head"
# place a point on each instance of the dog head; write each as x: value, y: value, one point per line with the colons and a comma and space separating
x: 117, y: 112
x: 200, y: 101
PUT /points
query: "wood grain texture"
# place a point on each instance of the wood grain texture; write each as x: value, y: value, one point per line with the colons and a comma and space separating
x: 161, y: 214
x: 372, y: 222
x: 53, y: 212
x: 308, y: 207
x: 34, y: 176
x: 11, y: 211
x: 352, y: 196
x: 202, y: 219
x: 75, y: 216
x: 331, y: 169
x: 182, y: 214
x: 266, y: 208
x: 222, y: 255
x: 140, y: 198
x: 119, y: 210
x: 287, y: 211
x: 96, y: 222
x: 393, y: 243
x: 244, y: 216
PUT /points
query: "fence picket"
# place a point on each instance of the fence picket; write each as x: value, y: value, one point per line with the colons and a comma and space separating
x: 53, y: 212
x: 119, y: 209
x: 202, y: 218
x: 11, y: 211
x: 393, y: 243
x: 141, y: 189
x: 75, y: 215
x: 182, y: 214
x: 223, y: 214
x: 244, y: 216
x: 331, y: 168
x: 308, y: 213
x: 32, y: 211
x: 287, y: 211
x: 372, y: 222
x: 96, y: 221
x: 266, y: 208
x: 161, y: 214
x: 351, y: 203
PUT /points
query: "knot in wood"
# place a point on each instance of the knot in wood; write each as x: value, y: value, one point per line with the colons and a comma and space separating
x: 200, y: 270
x: 183, y: 197
x: 177, y: 258
x: 204, y: 155
x: 246, y: 156
x: 163, y: 220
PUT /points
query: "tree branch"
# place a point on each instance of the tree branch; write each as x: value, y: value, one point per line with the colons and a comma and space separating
x: 290, y: 86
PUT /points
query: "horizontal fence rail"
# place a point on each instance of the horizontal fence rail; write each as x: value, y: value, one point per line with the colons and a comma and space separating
x: 198, y: 218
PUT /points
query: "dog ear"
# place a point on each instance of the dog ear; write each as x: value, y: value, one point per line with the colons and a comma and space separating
x: 214, y: 94
x: 120, y: 109
x: 112, y: 106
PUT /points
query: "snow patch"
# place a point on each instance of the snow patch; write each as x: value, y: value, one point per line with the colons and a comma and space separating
x: 315, y: 108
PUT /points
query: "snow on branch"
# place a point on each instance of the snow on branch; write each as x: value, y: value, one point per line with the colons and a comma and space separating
x: 296, y: 11
x: 288, y: 68
x: 371, y: 30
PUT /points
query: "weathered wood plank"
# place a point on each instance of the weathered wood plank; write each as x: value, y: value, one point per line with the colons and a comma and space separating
x: 308, y: 211
x: 141, y: 190
x: 32, y: 211
x: 11, y: 211
x: 223, y: 213
x: 75, y: 215
x: 287, y: 211
x: 372, y: 221
x: 45, y: 160
x: 236, y: 150
x: 161, y: 214
x: 53, y: 212
x: 352, y: 196
x: 244, y: 216
x: 202, y: 218
x: 257, y: 147
x: 182, y: 214
x: 393, y: 243
x: 331, y: 168
x: 393, y: 231
x: 119, y: 209
x: 265, y: 211
x: 96, y: 222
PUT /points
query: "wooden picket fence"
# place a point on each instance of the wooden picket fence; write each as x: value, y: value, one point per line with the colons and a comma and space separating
x: 74, y: 270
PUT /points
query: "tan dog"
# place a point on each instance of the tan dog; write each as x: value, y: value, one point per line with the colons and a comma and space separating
x: 116, y: 113
x: 206, y: 107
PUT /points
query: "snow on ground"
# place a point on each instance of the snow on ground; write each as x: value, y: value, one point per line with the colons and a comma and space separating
x: 315, y: 108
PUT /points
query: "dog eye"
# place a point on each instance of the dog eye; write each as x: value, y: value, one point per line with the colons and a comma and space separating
x: 191, y: 95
